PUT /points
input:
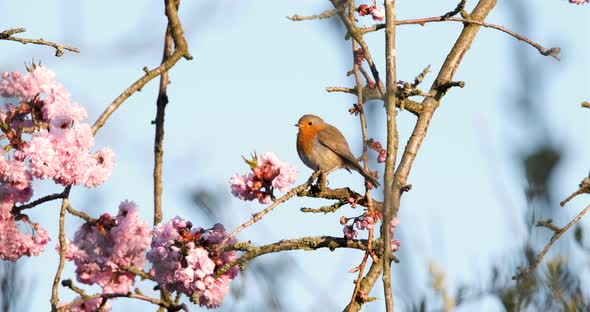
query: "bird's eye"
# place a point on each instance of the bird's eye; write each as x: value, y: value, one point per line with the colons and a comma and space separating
x: 309, y: 123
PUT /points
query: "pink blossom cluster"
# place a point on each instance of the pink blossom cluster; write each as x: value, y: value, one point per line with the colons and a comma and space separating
x: 14, y: 243
x: 60, y: 142
x: 268, y: 173
x: 90, y: 305
x: 359, y: 56
x: 377, y: 147
x: 102, y: 248
x: 352, y: 202
x: 395, y: 244
x: 349, y: 232
x: 578, y: 2
x: 378, y: 14
x: 367, y: 222
x: 185, y: 259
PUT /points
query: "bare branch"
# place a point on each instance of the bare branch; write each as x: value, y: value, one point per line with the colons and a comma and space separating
x: 62, y: 248
x: 59, y: 48
x: 584, y: 188
x: 161, y: 103
x: 460, y: 7
x: 257, y: 216
x: 553, y: 52
x: 181, y: 50
x: 525, y: 272
x: 18, y: 209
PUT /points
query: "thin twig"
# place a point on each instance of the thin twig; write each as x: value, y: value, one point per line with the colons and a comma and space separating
x: 139, y: 272
x: 341, y: 89
x: 18, y: 209
x: 460, y: 7
x: 357, y: 35
x: 180, y: 51
x: 120, y: 295
x: 553, y: 52
x: 62, y: 248
x: 357, y: 285
x: 59, y: 48
x: 366, y: 285
x: 525, y: 272
x: 80, y: 214
x: 159, y: 136
x: 69, y: 284
x: 364, y: 157
x: 257, y: 216
x: 584, y: 188
x: 548, y: 224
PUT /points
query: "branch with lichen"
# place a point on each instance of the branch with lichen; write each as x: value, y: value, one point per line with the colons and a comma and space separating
x: 304, y: 243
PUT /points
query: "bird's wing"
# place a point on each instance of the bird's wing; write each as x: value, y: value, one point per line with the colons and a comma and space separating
x: 331, y: 138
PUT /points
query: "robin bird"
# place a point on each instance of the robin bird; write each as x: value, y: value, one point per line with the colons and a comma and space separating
x: 321, y: 146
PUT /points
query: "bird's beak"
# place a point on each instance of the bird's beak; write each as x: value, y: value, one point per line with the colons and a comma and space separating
x: 296, y: 125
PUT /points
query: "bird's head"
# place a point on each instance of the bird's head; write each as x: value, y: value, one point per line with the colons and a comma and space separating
x: 307, y: 121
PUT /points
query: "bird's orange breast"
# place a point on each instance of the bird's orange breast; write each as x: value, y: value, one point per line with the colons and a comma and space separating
x: 306, y: 139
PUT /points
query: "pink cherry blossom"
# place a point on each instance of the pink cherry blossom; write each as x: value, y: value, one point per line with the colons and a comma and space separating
x: 578, y: 2
x: 60, y: 148
x: 349, y: 232
x: 395, y: 244
x: 268, y: 173
x: 90, y: 305
x: 378, y: 14
x: 185, y: 260
x: 100, y: 249
x: 18, y: 240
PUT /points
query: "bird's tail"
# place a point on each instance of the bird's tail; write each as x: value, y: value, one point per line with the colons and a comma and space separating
x: 371, y: 178
x: 366, y: 174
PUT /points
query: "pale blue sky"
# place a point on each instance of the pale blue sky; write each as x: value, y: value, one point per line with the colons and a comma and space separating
x: 255, y: 73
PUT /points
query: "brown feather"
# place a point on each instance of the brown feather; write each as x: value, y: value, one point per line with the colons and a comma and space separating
x: 333, y: 139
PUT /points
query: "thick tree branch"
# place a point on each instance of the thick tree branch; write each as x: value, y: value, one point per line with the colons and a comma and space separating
x: 391, y: 198
x: 431, y: 102
x: 304, y: 243
x: 340, y: 194
x: 366, y: 285
x: 161, y: 103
